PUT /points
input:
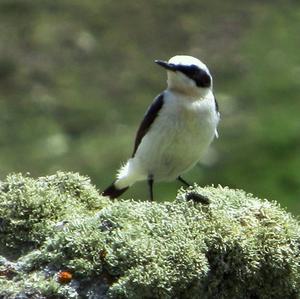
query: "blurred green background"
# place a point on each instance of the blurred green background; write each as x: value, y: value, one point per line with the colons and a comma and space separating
x: 77, y: 76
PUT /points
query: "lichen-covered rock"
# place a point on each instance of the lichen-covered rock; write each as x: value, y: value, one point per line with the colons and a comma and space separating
x: 32, y: 209
x: 229, y: 246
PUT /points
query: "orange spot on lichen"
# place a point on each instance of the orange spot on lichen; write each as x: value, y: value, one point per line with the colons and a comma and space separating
x: 64, y: 277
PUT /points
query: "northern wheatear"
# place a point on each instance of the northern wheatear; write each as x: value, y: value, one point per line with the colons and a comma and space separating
x: 176, y: 130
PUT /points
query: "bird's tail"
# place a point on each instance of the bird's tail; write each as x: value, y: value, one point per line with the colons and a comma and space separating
x: 113, y: 192
x: 127, y: 176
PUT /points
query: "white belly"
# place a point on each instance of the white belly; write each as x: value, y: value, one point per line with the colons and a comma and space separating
x: 176, y: 140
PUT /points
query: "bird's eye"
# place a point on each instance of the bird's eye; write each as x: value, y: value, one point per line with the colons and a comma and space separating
x: 200, y: 76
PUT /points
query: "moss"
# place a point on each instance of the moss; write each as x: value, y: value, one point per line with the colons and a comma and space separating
x: 233, y: 246
x: 30, y: 209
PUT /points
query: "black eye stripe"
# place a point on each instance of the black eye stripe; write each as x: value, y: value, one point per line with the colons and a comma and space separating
x: 201, y: 78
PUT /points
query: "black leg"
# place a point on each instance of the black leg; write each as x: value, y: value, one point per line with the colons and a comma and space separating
x: 150, y: 183
x: 180, y: 179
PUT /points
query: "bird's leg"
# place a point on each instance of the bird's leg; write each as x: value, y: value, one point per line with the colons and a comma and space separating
x: 150, y: 184
x: 180, y: 179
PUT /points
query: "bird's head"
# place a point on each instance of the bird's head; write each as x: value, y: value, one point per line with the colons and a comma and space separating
x: 188, y: 75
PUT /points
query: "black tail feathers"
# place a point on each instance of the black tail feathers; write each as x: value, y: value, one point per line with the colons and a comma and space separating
x: 113, y: 192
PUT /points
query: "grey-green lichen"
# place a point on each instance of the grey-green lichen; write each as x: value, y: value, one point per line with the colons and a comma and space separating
x: 234, y: 246
x: 30, y: 209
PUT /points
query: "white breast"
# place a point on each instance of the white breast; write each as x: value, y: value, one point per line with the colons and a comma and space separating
x: 178, y: 137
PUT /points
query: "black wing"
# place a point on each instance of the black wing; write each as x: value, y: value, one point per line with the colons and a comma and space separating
x: 216, y: 105
x: 146, y: 123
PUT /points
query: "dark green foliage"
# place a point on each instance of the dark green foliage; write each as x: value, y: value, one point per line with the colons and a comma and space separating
x: 235, y: 246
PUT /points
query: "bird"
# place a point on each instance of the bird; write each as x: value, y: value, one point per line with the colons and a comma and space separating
x: 176, y: 130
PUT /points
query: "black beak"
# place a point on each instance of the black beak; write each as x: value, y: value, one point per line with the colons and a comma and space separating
x: 166, y: 65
